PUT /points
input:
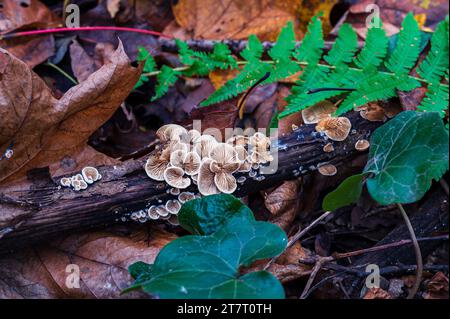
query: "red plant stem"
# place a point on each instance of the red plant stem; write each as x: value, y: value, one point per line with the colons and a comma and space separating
x: 98, y: 28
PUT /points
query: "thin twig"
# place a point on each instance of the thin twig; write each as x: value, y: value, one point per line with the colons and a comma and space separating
x: 321, y: 261
x: 79, y: 29
x: 416, y: 286
x: 299, y: 235
x: 57, y: 68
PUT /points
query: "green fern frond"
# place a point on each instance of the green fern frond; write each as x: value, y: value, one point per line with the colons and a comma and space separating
x: 407, y: 50
x: 149, y: 65
x: 165, y: 79
x: 314, y: 77
x: 380, y: 86
x: 374, y: 50
x: 311, y: 49
x: 254, y: 49
x: 344, y: 47
x: 436, y: 100
x: 281, y: 54
x: 433, y: 68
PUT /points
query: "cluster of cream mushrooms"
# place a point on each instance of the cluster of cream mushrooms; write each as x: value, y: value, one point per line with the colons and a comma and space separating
x: 187, y: 158
x: 78, y: 182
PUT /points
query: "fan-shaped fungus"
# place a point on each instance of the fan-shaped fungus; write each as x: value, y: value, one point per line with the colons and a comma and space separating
x: 336, y: 128
x: 327, y: 170
x: 362, y: 145
x: 318, y: 112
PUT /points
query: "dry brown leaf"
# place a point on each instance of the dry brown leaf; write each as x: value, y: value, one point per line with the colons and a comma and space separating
x: 102, y: 258
x: 83, y: 64
x: 27, y: 14
x: 113, y: 7
x: 377, y: 293
x: 437, y: 287
x: 283, y: 203
x: 46, y: 131
x: 235, y: 19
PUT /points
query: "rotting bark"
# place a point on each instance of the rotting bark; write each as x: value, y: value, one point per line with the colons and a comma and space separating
x: 46, y: 210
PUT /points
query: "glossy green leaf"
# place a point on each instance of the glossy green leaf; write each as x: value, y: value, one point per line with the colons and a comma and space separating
x: 348, y: 192
x: 406, y: 154
x: 208, y: 266
x: 204, y: 216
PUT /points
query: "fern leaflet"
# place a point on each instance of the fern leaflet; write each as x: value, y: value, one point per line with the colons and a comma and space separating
x: 407, y: 49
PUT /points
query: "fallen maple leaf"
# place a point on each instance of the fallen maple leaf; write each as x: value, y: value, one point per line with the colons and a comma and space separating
x: 437, y: 287
x: 30, y: 14
x: 102, y: 259
x: 283, y: 203
x: 45, y: 131
x: 235, y: 19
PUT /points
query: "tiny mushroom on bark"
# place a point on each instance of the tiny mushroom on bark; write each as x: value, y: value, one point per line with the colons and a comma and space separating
x: 79, y: 184
x: 152, y: 213
x: 174, y: 176
x: 328, y: 148
x: 259, y: 142
x: 173, y: 206
x: 204, y: 144
x: 318, y: 112
x: 362, y: 145
x: 372, y: 112
x: 185, y: 196
x: 157, y: 163
x: 336, y: 128
x: 238, y: 140
x: 66, y: 182
x: 90, y: 174
x: 162, y: 211
x: 170, y: 132
x: 216, y: 172
x: 327, y: 170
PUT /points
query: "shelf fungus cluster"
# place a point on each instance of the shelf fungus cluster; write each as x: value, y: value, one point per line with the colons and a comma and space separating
x: 187, y: 158
x: 89, y: 175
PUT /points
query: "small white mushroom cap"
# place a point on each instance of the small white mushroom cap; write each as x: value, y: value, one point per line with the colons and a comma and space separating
x: 153, y: 213
x: 79, y: 185
x: 173, y: 206
x: 174, y: 176
x: 90, y: 174
x: 185, y: 196
x: 238, y: 140
x: 327, y: 170
x: 362, y: 145
x: 336, y: 128
x: 162, y: 211
x: 170, y: 132
x: 328, y: 148
x: 317, y: 112
x: 66, y: 182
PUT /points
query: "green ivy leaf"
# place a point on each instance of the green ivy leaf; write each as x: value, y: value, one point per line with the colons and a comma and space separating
x: 204, y: 216
x: 140, y: 271
x: 348, y: 192
x: 208, y: 266
x: 406, y: 154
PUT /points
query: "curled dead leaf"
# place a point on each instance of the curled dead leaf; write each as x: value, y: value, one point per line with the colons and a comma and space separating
x: 45, y: 130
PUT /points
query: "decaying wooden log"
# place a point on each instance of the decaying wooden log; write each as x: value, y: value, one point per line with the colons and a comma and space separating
x: 46, y: 210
